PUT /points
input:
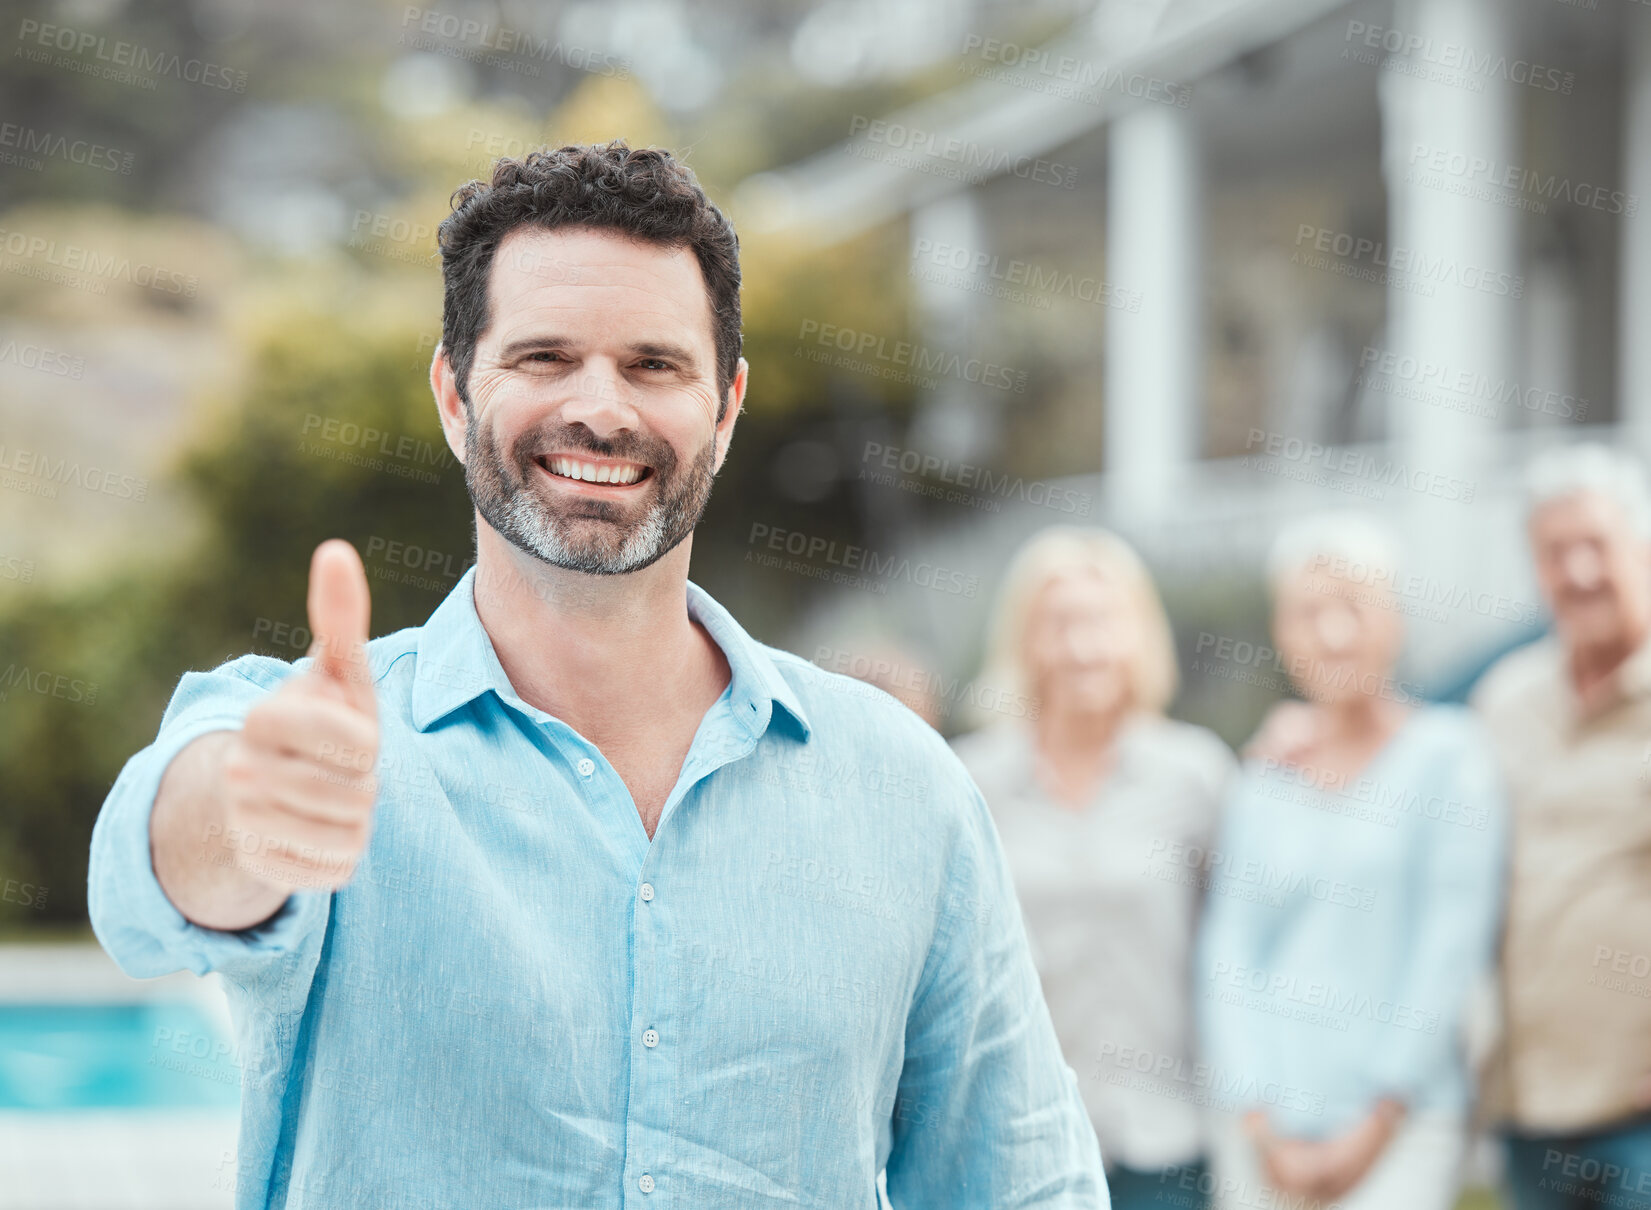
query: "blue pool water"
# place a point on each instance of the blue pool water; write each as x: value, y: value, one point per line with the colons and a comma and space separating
x: 99, y: 1056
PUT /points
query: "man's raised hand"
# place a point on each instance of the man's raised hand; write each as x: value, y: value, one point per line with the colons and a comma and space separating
x: 298, y: 778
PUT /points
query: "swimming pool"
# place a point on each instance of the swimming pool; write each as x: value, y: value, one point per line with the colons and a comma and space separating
x: 157, y: 1054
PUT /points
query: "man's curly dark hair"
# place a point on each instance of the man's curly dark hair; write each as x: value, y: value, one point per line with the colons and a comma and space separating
x: 646, y: 194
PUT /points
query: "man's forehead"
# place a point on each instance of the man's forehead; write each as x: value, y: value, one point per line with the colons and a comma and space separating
x: 532, y: 259
x: 1585, y: 508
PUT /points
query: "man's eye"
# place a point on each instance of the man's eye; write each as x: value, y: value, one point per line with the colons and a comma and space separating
x: 654, y: 363
x: 545, y: 356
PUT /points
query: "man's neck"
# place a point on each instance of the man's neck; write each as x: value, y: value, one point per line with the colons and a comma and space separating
x: 611, y: 656
x: 1594, y: 668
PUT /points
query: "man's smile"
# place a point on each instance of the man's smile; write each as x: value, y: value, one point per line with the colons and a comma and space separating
x: 613, y: 473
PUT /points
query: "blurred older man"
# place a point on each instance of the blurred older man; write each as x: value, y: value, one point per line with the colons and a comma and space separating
x: 1571, y: 715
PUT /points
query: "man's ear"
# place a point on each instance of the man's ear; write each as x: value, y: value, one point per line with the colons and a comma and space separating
x: 449, y: 406
x: 730, y: 413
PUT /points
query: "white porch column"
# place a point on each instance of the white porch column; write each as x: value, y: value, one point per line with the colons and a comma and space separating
x: 1454, y: 300
x: 1634, y: 290
x: 954, y: 420
x: 1453, y: 259
x: 1154, y: 356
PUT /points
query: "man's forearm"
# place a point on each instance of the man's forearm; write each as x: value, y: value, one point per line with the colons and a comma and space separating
x: 190, y: 848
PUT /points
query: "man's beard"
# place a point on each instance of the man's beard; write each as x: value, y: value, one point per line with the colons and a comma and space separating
x: 504, y: 493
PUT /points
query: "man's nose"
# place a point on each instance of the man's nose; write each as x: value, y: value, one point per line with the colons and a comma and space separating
x: 600, y: 399
x: 1584, y: 569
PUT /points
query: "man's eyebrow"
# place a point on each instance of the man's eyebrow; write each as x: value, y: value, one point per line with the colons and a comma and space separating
x: 666, y: 352
x: 647, y: 348
x: 528, y: 344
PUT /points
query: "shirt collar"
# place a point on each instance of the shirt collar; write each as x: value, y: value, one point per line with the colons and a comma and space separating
x: 1630, y: 681
x: 457, y: 663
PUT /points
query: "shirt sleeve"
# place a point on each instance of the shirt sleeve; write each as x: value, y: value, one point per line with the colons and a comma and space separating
x: 1457, y: 897
x: 988, y: 1113
x: 131, y: 915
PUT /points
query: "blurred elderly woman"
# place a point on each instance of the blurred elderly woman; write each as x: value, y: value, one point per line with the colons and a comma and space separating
x: 1096, y: 795
x: 1355, y: 895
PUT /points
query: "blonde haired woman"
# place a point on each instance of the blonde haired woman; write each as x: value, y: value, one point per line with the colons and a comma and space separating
x: 1105, y: 807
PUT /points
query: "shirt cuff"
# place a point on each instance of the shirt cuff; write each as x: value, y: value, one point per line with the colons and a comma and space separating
x: 134, y: 920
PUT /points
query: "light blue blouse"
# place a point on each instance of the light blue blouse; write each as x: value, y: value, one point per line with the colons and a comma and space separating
x: 1347, y: 925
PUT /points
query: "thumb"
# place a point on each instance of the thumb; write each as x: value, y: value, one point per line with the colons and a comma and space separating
x: 339, y: 608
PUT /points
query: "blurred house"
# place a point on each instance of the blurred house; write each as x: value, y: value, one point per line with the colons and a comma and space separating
x: 1362, y: 254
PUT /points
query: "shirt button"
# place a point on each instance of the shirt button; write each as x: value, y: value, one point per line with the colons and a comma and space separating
x: 647, y: 892
x: 586, y: 766
x: 646, y: 1184
x: 650, y: 1037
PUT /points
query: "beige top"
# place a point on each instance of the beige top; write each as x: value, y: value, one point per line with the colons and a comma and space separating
x: 1110, y: 895
x: 1576, y: 955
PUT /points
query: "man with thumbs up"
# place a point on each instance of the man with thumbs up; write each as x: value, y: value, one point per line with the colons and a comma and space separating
x: 577, y: 895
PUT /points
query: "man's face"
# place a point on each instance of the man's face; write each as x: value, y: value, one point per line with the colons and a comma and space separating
x: 1594, y: 573
x: 591, y: 436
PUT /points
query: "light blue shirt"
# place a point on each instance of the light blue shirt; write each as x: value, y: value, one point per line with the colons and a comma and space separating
x: 815, y: 970
x: 1346, y: 925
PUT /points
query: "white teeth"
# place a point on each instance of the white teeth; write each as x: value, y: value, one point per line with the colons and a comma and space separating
x: 590, y: 473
